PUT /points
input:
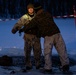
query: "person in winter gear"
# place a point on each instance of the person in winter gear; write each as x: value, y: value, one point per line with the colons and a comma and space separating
x: 30, y: 40
x: 43, y: 23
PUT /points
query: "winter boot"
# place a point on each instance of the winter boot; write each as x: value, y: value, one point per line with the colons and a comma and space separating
x: 46, y: 71
x: 65, y: 68
x: 39, y: 67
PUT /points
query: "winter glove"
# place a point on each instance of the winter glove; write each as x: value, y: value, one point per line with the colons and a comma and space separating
x: 15, y: 30
x: 20, y: 31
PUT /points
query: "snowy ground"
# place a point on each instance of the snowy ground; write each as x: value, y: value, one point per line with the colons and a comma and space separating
x: 17, y: 71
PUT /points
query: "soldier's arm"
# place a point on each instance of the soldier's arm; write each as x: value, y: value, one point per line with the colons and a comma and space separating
x: 31, y: 25
x: 19, y: 24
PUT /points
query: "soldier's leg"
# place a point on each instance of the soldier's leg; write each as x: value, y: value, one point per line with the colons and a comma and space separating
x: 37, y: 51
x: 61, y: 49
x: 27, y: 50
x: 48, y: 45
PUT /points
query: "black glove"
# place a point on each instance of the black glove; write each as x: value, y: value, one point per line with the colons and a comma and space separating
x: 14, y: 31
x: 21, y: 30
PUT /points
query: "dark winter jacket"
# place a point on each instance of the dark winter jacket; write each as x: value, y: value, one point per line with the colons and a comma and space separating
x: 43, y: 23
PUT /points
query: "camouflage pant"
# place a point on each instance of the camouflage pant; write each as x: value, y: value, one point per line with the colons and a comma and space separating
x: 32, y: 42
x: 59, y: 44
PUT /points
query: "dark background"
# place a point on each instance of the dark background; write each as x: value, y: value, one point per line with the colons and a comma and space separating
x: 17, y: 8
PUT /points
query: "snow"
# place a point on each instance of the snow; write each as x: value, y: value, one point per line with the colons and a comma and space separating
x: 8, y: 40
x: 17, y: 70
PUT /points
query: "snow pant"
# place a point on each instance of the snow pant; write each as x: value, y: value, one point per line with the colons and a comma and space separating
x: 31, y: 42
x: 59, y: 44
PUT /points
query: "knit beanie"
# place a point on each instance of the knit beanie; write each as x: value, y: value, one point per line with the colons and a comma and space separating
x: 37, y: 6
x: 30, y: 6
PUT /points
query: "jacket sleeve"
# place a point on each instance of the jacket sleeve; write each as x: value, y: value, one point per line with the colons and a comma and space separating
x: 20, y: 23
x: 23, y: 20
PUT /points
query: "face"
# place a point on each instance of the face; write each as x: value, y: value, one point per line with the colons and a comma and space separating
x: 30, y: 10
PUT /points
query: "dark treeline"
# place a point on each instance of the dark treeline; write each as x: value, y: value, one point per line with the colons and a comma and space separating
x: 17, y: 8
